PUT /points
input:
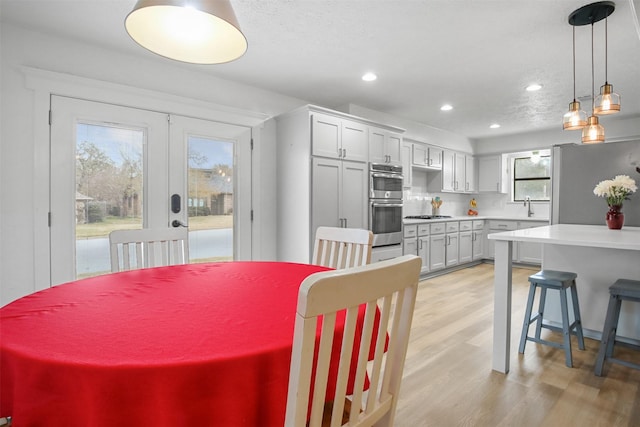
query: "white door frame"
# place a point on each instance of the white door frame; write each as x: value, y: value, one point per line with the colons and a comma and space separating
x: 44, y: 83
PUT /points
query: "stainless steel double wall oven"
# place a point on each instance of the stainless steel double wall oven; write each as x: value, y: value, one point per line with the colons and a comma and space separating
x: 385, y: 204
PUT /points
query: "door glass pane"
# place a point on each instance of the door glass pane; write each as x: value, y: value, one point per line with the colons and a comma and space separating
x: 210, y: 202
x: 109, y: 190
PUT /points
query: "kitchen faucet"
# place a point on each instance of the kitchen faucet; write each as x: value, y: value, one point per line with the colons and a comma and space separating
x: 527, y: 202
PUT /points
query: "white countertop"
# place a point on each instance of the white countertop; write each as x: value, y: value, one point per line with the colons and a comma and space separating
x: 472, y: 218
x: 598, y: 236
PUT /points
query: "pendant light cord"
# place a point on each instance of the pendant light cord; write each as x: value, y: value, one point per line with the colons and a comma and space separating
x: 593, y: 95
x: 606, y: 50
x: 574, y: 63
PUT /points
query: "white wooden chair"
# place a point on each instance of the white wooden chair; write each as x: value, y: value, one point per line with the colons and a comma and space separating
x: 388, y: 288
x: 133, y: 249
x: 342, y: 247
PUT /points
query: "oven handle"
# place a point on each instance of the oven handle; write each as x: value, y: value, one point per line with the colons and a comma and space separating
x: 390, y: 205
x: 386, y: 175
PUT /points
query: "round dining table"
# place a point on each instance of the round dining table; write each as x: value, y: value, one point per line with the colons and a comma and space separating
x: 188, y: 345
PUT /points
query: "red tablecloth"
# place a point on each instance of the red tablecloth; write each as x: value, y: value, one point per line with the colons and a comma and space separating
x: 192, y: 345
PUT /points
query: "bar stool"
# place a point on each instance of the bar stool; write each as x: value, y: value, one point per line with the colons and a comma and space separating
x: 621, y: 290
x: 560, y: 281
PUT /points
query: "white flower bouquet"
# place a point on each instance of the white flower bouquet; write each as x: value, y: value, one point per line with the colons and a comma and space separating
x: 616, y: 190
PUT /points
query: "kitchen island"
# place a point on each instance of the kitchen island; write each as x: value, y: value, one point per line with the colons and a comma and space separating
x: 598, y: 255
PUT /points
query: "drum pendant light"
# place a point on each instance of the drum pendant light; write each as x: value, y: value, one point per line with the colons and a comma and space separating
x: 593, y: 133
x: 194, y: 31
x: 575, y: 118
x: 608, y: 102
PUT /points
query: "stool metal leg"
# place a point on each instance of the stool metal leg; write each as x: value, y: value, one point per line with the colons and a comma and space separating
x: 566, y: 332
x: 577, y: 316
x: 608, y: 336
x: 527, y: 318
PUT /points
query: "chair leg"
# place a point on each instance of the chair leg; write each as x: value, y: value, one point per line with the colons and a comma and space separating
x: 527, y: 318
x: 607, y: 335
x: 566, y: 332
x: 577, y: 316
x: 543, y: 301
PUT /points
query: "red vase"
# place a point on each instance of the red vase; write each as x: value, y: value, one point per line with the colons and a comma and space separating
x: 615, y: 218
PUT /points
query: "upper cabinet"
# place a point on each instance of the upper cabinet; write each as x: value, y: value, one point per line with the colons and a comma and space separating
x: 339, y: 138
x: 490, y: 175
x: 384, y: 146
x: 458, y: 173
x: 427, y: 156
x: 407, y: 176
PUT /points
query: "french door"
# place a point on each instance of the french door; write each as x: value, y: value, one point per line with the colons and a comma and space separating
x: 117, y: 167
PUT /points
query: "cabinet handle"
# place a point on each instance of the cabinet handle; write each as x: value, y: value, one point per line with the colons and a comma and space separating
x: 498, y: 187
x: 344, y: 153
x: 420, y: 244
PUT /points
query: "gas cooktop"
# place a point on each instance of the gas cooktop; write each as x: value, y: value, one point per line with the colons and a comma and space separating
x: 426, y: 216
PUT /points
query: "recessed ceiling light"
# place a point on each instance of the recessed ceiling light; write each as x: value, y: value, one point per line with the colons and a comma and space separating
x: 534, y: 87
x: 494, y: 126
x: 369, y: 77
x: 446, y: 107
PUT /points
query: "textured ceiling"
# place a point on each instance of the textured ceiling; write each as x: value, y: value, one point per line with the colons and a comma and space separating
x: 477, y: 55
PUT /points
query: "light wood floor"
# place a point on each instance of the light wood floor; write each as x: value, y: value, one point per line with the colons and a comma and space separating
x: 448, y: 379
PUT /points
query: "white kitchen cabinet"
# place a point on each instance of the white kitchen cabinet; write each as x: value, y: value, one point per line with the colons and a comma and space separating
x: 437, y: 246
x: 496, y: 226
x: 407, y: 176
x: 458, y: 173
x: 339, y: 194
x: 470, y: 174
x: 416, y: 242
x: 384, y: 146
x: 426, y: 156
x: 384, y: 253
x: 530, y: 252
x: 465, y: 250
x: 491, y: 176
x: 311, y: 191
x: 339, y: 138
x: 478, y: 240
x: 452, y: 255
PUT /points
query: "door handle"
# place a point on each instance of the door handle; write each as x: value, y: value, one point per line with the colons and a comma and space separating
x: 176, y: 223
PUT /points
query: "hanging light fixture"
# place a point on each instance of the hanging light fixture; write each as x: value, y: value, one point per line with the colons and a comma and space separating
x: 575, y: 118
x: 593, y: 132
x: 194, y: 31
x: 608, y: 102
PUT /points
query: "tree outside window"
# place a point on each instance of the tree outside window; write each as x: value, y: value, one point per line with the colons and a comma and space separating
x: 532, y: 178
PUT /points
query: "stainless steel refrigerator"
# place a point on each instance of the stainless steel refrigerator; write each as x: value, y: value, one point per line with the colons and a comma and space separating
x: 577, y: 169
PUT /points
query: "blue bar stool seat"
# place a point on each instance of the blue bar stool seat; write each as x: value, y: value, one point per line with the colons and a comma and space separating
x: 561, y: 281
x: 621, y: 290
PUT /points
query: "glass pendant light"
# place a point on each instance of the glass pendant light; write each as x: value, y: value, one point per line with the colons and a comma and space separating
x: 608, y: 102
x: 575, y: 118
x: 193, y: 31
x: 593, y: 133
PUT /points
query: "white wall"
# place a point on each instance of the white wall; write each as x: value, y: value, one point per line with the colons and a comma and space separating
x: 153, y: 82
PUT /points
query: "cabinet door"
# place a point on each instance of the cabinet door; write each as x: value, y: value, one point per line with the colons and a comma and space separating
x: 376, y: 146
x: 420, y: 155
x: 490, y: 174
x: 325, y: 193
x: 393, y: 144
x: 459, y: 178
x: 466, y: 247
x: 470, y: 174
x: 407, y: 149
x: 410, y: 247
x: 435, y: 157
x: 448, y: 177
x: 437, y: 252
x: 452, y: 247
x: 478, y: 245
x: 423, y: 252
x: 354, y: 196
x: 355, y: 144
x: 326, y: 136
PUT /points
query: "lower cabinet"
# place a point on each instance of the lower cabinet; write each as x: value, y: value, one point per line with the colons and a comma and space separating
x: 523, y: 252
x: 416, y: 242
